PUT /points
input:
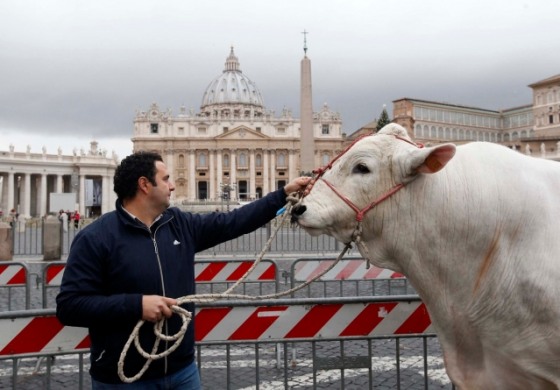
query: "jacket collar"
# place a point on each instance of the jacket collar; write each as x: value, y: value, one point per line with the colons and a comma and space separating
x: 129, y: 219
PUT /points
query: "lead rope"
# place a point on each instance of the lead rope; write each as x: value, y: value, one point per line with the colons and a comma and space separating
x: 186, y: 316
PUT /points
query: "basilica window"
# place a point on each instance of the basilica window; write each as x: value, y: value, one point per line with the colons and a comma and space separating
x: 281, y: 130
x: 258, y: 161
x: 181, y: 161
x: 281, y: 160
x: 325, y: 159
x: 325, y: 129
x: 154, y: 128
x: 242, y: 160
x: 225, y: 161
x: 202, y: 130
x: 202, y: 160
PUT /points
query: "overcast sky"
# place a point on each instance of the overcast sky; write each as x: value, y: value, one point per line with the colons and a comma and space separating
x: 72, y: 71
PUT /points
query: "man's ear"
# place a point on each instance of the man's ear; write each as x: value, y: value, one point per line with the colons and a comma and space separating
x: 431, y: 159
x: 143, y: 183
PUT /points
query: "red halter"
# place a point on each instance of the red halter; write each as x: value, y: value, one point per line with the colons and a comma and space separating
x: 360, y: 213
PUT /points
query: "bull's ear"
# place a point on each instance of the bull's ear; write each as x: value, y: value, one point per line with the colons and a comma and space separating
x: 432, y: 159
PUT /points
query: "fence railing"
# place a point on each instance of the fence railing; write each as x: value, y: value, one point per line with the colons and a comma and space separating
x: 27, y: 239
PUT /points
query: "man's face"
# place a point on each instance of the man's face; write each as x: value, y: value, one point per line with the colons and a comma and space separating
x: 161, y: 192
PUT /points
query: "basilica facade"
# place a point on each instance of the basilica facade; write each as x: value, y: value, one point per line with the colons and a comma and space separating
x: 234, y: 147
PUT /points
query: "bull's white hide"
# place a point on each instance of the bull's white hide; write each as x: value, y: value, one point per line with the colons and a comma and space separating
x: 476, y: 230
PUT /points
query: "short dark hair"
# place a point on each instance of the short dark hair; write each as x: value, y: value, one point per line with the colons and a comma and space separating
x: 131, y: 168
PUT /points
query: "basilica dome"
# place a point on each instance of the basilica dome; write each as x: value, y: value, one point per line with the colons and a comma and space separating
x: 232, y: 87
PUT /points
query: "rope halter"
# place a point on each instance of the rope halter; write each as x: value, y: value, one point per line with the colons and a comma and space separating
x: 360, y: 212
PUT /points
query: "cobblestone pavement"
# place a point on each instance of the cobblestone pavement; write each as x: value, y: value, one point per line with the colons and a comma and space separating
x: 283, y: 365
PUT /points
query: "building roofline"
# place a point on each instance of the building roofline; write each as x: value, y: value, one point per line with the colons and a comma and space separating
x: 517, y: 108
x: 545, y: 81
x: 447, y: 104
x: 464, y: 107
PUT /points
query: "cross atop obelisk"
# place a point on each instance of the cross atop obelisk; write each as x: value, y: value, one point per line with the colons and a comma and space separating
x: 305, y: 41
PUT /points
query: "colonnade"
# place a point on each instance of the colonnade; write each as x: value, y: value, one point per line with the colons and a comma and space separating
x: 261, y: 177
x: 27, y: 181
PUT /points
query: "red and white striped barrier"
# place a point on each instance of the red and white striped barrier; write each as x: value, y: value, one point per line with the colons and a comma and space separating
x: 40, y: 335
x: 351, y: 269
x: 332, y: 320
x: 231, y: 271
x: 205, y: 272
x: 53, y: 274
x: 44, y: 334
x: 13, y: 275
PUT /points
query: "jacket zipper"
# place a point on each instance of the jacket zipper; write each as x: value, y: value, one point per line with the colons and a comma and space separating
x: 153, y: 237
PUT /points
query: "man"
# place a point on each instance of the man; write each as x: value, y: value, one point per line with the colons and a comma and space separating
x: 132, y: 263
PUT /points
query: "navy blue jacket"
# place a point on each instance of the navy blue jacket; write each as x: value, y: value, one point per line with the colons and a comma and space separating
x: 114, y: 261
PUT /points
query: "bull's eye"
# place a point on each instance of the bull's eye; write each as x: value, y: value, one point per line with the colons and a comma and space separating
x: 360, y: 168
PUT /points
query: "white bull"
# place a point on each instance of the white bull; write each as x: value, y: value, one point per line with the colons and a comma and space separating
x: 476, y: 230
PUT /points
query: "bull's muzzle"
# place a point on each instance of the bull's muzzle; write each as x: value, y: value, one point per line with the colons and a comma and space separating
x: 297, y: 211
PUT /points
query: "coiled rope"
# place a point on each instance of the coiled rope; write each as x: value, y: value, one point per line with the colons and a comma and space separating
x: 186, y: 316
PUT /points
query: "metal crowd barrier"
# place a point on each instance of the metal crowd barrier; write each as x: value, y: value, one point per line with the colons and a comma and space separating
x: 27, y: 237
x: 359, y: 326
x: 215, y: 276
x: 350, y: 276
x: 211, y: 276
x: 15, y: 275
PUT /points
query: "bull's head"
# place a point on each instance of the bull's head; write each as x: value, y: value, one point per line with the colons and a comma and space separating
x: 372, y: 167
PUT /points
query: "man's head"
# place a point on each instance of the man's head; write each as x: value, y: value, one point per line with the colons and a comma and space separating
x: 132, y: 168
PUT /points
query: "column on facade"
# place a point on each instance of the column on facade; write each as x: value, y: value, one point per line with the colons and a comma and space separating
x: 292, y: 171
x: 233, y: 173
x: 191, y: 182
x: 3, y: 193
x: 11, y: 192
x: 212, y: 178
x: 43, y: 195
x: 252, y: 175
x: 59, y: 184
x: 219, y: 172
x: 272, y: 170
x: 26, y: 207
x: 266, y: 157
x: 82, y: 196
x: 106, y: 188
x: 170, y: 163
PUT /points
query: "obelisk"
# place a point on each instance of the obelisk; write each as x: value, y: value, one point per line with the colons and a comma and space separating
x: 307, y: 143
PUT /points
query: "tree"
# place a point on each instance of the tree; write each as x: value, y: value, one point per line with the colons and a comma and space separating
x: 383, y: 119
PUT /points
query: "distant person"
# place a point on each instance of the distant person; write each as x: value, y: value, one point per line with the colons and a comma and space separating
x: 12, y: 218
x: 63, y: 217
x: 132, y: 263
x: 76, y: 218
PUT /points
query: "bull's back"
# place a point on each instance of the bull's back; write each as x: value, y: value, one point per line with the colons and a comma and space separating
x: 510, y: 191
x: 508, y: 167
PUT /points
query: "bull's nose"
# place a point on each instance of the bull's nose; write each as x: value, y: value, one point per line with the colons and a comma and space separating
x: 298, y: 210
